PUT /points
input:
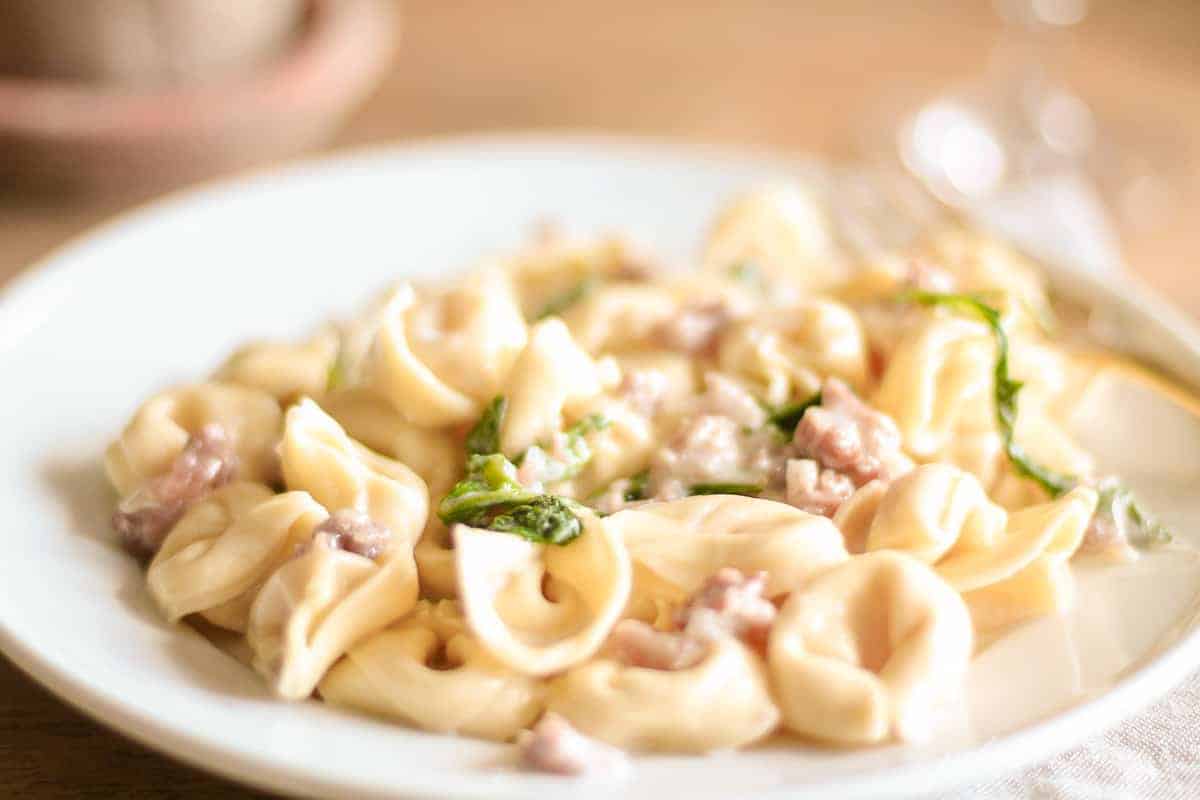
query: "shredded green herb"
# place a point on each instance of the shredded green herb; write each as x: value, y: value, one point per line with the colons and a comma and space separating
x: 336, y: 376
x: 1115, y: 499
x: 564, y: 461
x: 548, y: 519
x: 748, y: 489
x: 491, y: 497
x: 787, y: 417
x: 484, y: 438
x: 747, y: 272
x: 1118, y: 507
x: 1006, y: 389
x: 491, y: 482
x: 569, y: 297
x: 636, y: 490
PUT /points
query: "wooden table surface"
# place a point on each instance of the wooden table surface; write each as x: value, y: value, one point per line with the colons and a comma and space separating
x: 791, y: 76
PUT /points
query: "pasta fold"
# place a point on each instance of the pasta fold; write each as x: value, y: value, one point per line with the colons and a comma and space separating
x: 437, y: 359
x: 542, y: 608
x: 319, y: 604
x: 160, y: 429
x: 676, y: 545
x: 430, y: 672
x: 552, y: 375
x: 864, y: 652
x: 723, y: 701
x: 219, y: 554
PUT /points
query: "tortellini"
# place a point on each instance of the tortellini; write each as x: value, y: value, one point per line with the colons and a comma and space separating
x: 551, y: 376
x: 317, y: 456
x: 317, y: 605
x: 676, y: 545
x: 558, y: 267
x: 438, y: 358
x: 160, y: 429
x: 938, y: 384
x: 435, y: 455
x: 865, y: 651
x: 941, y: 515
x: 286, y: 371
x: 788, y: 353
x: 542, y: 608
x: 552, y: 499
x: 428, y: 671
x: 217, y: 556
x: 723, y: 701
x: 619, y: 317
x: 782, y: 230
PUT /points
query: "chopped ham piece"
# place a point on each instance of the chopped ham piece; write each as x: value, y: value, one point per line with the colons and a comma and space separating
x: 144, y: 518
x: 637, y: 644
x: 695, y: 329
x: 554, y: 746
x: 846, y: 435
x: 815, y: 490
x: 353, y: 531
x: 730, y: 603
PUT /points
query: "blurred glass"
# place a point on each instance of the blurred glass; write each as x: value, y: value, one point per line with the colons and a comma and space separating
x: 1018, y: 122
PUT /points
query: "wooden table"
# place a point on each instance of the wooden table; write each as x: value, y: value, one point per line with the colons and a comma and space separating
x: 792, y: 76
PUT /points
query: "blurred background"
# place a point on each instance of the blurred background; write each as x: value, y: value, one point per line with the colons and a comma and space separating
x: 105, y: 104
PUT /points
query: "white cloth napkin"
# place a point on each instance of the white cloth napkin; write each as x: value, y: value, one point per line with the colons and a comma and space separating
x: 1156, y: 754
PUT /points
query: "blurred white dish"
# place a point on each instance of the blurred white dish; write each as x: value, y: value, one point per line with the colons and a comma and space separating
x: 159, y: 296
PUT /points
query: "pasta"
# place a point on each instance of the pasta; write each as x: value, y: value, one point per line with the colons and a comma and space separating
x: 676, y: 545
x: 221, y: 552
x: 848, y: 674
x: 428, y: 671
x: 539, y: 608
x: 160, y: 430
x: 580, y: 502
x: 721, y: 702
x: 285, y: 371
x: 315, y: 606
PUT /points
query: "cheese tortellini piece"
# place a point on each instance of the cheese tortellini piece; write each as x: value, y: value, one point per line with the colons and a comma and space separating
x: 429, y: 671
x: 161, y: 428
x: 789, y: 352
x: 433, y: 454
x: 619, y: 317
x: 551, y: 376
x: 784, y: 231
x: 438, y: 357
x: 866, y: 651
x: 676, y: 545
x: 941, y: 516
x: 723, y: 701
x: 219, y: 554
x: 542, y: 608
x: 938, y: 384
x: 320, y: 603
x: 284, y: 370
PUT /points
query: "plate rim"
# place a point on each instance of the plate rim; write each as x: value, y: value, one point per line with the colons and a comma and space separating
x: 1033, y: 743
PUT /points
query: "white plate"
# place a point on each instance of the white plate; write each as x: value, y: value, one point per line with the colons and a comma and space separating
x: 163, y: 294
